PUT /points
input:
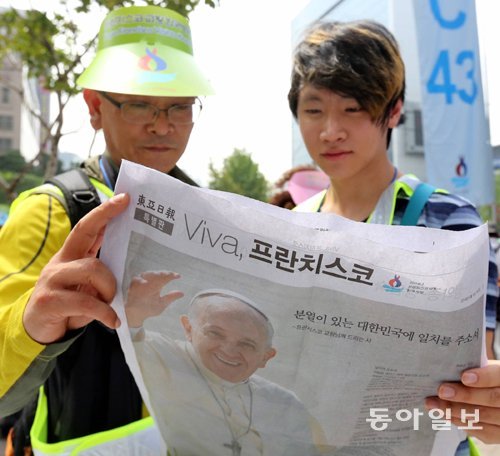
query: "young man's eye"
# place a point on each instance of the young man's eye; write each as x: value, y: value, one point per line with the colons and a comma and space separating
x: 354, y: 109
x: 312, y: 111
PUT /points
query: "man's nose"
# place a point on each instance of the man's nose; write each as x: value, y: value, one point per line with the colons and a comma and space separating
x: 230, y: 348
x: 332, y: 130
x: 161, y: 125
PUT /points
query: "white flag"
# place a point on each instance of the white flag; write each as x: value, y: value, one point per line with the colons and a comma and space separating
x: 456, y: 133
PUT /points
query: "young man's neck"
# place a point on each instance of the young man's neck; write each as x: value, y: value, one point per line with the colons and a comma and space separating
x: 356, y: 197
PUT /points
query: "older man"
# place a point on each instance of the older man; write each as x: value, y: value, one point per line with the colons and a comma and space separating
x: 56, y: 326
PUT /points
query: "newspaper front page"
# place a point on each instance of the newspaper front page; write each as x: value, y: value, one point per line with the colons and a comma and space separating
x: 251, y: 329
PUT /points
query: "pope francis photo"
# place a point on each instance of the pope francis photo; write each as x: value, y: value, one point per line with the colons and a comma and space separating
x: 206, y: 397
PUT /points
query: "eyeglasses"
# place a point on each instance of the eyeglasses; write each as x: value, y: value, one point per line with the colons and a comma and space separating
x: 140, y: 113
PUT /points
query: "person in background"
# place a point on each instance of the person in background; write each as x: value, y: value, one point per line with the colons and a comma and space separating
x: 57, y: 329
x: 347, y: 94
x: 297, y: 184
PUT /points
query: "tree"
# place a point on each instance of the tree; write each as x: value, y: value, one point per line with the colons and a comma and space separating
x: 53, y: 47
x: 12, y: 161
x: 241, y: 175
x: 40, y: 167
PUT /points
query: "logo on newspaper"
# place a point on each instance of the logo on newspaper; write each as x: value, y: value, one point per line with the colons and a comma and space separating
x: 394, y: 285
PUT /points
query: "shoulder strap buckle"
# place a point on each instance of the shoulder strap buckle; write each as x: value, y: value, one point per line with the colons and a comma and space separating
x: 84, y: 196
x: 79, y: 193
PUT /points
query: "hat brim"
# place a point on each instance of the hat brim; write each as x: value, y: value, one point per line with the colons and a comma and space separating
x: 305, y: 184
x: 123, y: 69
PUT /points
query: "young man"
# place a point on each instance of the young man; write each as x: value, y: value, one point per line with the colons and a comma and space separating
x: 206, y: 395
x: 347, y: 95
x: 56, y: 327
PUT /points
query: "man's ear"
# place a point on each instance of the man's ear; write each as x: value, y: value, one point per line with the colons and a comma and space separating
x: 396, y: 114
x: 271, y: 353
x: 93, y: 101
x: 188, y: 329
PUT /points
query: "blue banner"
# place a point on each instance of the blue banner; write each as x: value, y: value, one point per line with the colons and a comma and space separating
x: 457, y: 146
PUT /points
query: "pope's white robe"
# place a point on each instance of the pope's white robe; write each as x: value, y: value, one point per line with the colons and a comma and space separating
x: 191, y: 420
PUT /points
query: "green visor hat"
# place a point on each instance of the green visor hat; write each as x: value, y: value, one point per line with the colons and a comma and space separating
x: 145, y: 50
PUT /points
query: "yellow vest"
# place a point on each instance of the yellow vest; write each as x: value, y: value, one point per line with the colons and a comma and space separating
x: 139, y: 438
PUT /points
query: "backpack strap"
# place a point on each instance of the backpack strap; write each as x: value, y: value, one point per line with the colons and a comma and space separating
x: 416, y: 203
x: 80, y: 196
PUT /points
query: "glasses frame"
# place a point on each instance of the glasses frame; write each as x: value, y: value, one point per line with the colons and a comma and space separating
x: 157, y: 110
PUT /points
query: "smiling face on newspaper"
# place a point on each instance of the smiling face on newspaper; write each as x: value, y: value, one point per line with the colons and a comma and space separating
x: 252, y: 330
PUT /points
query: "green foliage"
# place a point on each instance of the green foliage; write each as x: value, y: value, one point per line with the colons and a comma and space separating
x: 241, y: 175
x: 12, y: 161
x: 28, y: 181
x: 491, y: 213
x: 13, y: 164
x: 183, y: 7
x: 497, y: 200
x: 486, y: 213
x: 41, y: 165
x: 30, y: 36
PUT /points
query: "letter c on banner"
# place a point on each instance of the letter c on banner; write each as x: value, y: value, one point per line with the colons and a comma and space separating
x: 449, y: 24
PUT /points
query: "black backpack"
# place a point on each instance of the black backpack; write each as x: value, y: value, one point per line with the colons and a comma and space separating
x: 79, y: 195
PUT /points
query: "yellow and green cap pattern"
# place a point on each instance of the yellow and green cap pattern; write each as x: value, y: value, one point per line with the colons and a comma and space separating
x: 145, y: 50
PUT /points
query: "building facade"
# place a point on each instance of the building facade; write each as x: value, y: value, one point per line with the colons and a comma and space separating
x: 20, y: 128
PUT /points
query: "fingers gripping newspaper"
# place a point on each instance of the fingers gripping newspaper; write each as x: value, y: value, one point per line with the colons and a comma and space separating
x: 251, y: 329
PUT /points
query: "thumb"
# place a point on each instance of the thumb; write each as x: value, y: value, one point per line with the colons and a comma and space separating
x: 85, y: 238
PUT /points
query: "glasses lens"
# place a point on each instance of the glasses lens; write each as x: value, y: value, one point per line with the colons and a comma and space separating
x: 143, y: 113
x: 184, y: 114
x: 138, y: 113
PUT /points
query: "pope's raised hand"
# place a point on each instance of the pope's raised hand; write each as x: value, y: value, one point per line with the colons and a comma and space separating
x: 144, y: 298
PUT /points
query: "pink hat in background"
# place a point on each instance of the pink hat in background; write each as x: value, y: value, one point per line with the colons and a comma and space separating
x: 304, y: 184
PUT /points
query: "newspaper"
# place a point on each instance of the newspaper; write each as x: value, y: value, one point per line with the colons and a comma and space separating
x: 257, y: 330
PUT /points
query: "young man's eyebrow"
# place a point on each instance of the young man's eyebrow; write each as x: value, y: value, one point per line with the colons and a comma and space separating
x: 315, y: 97
x: 311, y: 97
